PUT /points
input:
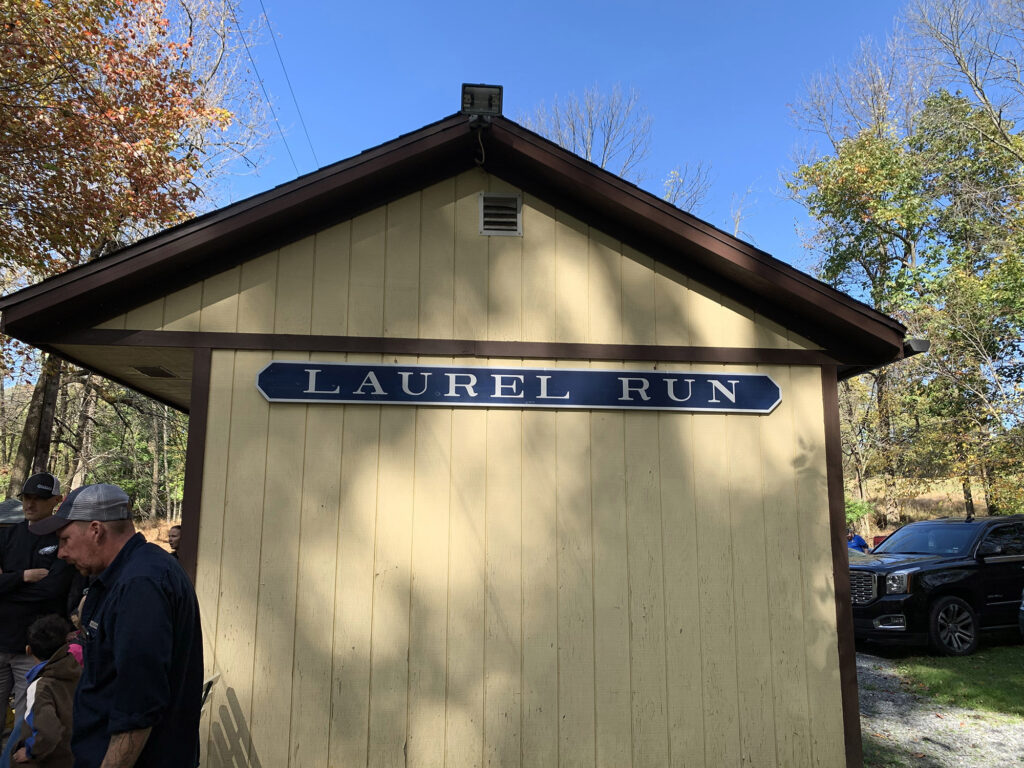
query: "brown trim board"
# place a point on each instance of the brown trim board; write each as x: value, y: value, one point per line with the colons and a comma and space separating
x: 195, y: 455
x: 446, y: 347
x: 841, y: 569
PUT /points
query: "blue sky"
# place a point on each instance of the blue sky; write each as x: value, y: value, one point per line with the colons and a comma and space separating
x: 718, y: 81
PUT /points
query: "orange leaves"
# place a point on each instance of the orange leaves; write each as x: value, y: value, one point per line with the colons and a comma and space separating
x: 92, y: 143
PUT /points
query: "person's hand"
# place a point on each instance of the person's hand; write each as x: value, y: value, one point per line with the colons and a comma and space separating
x: 32, y: 575
x: 20, y: 756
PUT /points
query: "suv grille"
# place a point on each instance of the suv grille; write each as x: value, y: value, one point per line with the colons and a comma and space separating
x: 862, y: 587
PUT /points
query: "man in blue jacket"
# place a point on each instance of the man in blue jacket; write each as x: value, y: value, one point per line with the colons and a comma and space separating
x: 855, y: 541
x: 33, y: 583
x: 138, y: 702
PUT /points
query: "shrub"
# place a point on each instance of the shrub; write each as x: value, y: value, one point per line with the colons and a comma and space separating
x: 856, y: 509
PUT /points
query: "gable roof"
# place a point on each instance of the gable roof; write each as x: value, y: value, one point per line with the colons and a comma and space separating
x: 852, y: 333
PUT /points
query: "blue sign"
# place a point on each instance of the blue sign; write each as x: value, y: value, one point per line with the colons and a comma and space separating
x: 394, y: 384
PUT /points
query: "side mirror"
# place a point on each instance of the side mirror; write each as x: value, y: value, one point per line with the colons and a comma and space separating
x: 988, y: 548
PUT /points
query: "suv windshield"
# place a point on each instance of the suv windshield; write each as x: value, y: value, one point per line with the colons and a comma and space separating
x: 929, y: 539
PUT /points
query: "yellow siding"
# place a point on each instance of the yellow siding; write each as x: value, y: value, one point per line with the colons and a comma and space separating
x: 425, y: 586
x: 408, y: 586
x: 421, y: 261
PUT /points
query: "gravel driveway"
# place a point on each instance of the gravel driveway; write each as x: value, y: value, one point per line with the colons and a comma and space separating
x: 902, y: 729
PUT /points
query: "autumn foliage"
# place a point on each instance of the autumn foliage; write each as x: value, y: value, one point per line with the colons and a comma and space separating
x: 96, y: 103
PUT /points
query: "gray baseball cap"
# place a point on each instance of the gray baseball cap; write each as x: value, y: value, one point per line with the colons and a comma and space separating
x: 90, y: 502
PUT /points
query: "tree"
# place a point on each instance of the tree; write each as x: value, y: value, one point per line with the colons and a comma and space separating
x: 117, y: 116
x: 97, y: 97
x: 919, y: 210
x: 613, y: 130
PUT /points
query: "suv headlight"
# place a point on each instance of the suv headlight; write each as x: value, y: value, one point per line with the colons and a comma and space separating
x: 898, y: 582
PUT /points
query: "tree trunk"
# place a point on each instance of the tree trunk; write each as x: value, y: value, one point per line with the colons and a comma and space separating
x: 968, y: 495
x: 24, y: 459
x: 154, y: 491
x: 890, y: 504
x: 61, y: 466
x: 41, y: 462
x: 83, y: 436
x: 990, y: 495
x: 167, y: 474
x: 5, y: 449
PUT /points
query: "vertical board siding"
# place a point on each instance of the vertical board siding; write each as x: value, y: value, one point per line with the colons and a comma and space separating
x: 396, y: 586
x: 504, y: 281
x: 211, y: 529
x: 574, y: 532
x: 353, y: 590
x: 428, y: 614
x: 467, y: 587
x: 785, y: 583
x: 561, y: 281
x: 821, y: 650
x: 750, y: 598
x: 683, y: 610
x: 315, y: 586
x: 235, y: 638
x: 540, y: 590
x: 612, y: 689
x: 389, y: 631
x: 504, y: 597
x: 467, y: 611
x: 436, y: 299
x: 645, y: 539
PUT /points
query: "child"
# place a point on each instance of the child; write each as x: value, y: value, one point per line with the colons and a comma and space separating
x: 46, y: 732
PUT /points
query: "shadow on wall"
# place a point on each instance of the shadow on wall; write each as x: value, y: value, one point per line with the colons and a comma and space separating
x: 525, y: 609
x: 228, y: 735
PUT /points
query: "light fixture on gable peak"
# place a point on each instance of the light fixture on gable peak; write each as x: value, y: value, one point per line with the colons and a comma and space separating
x: 480, y: 99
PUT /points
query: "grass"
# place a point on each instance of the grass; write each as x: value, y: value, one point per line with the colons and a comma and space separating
x: 880, y: 754
x: 991, y: 680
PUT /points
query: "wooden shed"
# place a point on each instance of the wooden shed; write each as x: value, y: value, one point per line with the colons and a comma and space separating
x: 424, y: 584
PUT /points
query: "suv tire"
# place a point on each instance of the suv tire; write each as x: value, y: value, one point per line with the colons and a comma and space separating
x: 953, y: 627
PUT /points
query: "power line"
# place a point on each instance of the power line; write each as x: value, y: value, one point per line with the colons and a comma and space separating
x: 288, y: 80
x: 263, y: 87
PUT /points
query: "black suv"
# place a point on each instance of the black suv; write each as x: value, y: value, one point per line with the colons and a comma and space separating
x: 940, y: 582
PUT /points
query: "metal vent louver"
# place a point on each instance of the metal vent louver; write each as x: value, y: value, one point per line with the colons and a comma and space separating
x: 501, y: 214
x: 155, y: 371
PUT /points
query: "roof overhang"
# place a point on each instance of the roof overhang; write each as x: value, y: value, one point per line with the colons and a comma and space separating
x: 52, y: 311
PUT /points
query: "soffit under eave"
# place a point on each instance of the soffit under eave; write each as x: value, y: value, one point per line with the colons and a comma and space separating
x: 120, y: 364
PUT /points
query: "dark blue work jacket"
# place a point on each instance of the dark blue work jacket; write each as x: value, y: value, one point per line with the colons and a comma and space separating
x: 143, y: 660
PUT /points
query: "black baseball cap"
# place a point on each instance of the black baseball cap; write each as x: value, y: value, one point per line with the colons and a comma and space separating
x: 101, y: 502
x: 42, y: 484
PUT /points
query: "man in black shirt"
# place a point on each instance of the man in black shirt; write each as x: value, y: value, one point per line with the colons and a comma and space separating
x: 33, y: 583
x: 138, y: 701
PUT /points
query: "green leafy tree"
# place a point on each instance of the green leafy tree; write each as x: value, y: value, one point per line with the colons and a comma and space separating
x: 926, y: 224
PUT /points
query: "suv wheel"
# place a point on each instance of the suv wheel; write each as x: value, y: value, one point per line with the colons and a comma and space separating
x: 953, y: 627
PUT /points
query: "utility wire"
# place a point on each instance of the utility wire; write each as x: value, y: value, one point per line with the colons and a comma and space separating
x: 288, y: 80
x: 263, y: 87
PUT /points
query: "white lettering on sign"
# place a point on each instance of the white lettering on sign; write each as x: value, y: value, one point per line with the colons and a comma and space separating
x: 312, y: 390
x: 670, y: 385
x: 544, y: 390
x: 717, y: 385
x: 405, y: 382
x: 723, y: 391
x: 453, y: 384
x: 370, y: 381
x: 631, y: 384
x: 500, y: 385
